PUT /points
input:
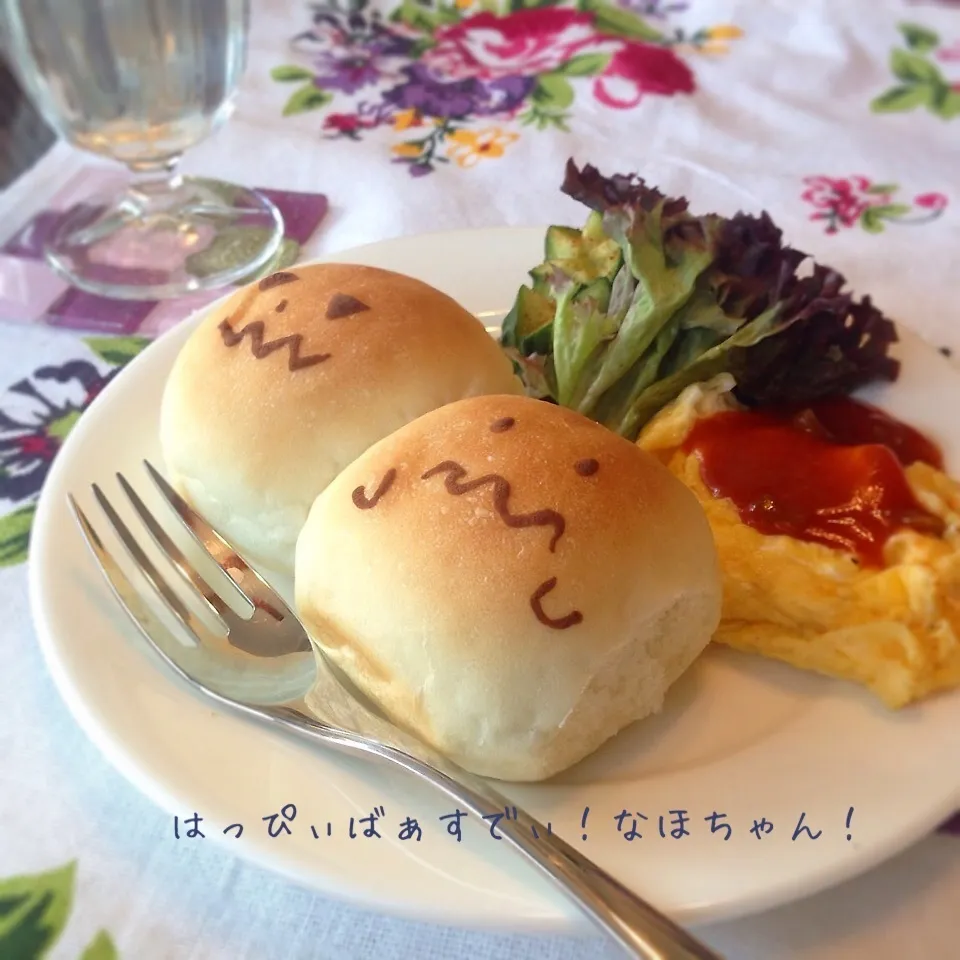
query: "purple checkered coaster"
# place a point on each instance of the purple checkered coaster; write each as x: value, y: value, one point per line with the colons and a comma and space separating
x: 32, y: 293
x: 952, y: 826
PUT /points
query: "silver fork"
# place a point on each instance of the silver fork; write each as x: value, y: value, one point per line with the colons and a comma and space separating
x: 287, y: 675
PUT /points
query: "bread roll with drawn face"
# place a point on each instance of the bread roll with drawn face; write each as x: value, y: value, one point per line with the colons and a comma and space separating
x: 509, y: 580
x: 290, y: 379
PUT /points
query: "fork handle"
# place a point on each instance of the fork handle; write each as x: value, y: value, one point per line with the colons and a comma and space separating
x: 640, y: 930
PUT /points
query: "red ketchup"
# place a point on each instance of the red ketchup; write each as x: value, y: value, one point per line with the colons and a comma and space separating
x: 829, y: 472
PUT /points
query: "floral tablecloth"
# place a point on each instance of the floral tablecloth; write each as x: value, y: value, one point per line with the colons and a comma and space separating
x: 369, y: 121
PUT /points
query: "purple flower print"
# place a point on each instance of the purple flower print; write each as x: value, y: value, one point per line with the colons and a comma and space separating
x: 348, y: 72
x: 374, y: 113
x: 431, y: 97
x: 420, y: 169
x: 388, y: 44
x: 351, y: 48
x: 655, y: 9
x: 335, y: 26
x: 506, y: 94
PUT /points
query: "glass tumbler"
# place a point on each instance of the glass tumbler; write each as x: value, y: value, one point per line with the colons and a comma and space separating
x: 140, y: 82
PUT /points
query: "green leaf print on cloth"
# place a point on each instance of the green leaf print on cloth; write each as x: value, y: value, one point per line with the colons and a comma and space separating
x: 15, y: 537
x: 34, y: 909
x: 101, y: 948
x: 116, y: 350
x: 920, y: 82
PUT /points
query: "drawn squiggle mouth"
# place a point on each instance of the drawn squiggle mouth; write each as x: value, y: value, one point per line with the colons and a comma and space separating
x: 261, y: 348
x: 454, y: 484
x: 501, y: 499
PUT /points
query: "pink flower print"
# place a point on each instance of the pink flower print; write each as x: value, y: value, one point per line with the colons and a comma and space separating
x: 838, y: 201
x: 525, y: 43
x: 949, y: 54
x: 640, y: 68
x: 855, y: 200
x: 931, y: 201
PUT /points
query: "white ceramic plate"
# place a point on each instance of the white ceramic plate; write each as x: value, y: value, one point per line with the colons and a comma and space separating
x: 739, y: 736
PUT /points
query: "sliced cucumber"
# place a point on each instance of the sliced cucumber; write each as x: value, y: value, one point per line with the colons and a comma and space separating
x: 605, y: 258
x: 582, y: 255
x: 529, y: 325
x: 563, y: 243
x: 586, y: 258
x: 597, y: 290
x: 593, y: 228
x: 543, y: 277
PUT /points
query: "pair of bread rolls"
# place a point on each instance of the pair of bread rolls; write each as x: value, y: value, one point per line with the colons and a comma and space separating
x: 511, y: 581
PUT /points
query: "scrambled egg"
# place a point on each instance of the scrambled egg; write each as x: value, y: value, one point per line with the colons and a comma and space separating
x: 895, y: 630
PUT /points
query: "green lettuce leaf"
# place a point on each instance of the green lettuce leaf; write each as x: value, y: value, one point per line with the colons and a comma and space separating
x: 692, y: 297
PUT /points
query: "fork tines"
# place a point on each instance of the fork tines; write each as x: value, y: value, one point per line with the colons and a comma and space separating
x: 237, y: 573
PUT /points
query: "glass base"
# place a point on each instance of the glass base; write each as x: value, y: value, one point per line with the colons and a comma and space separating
x: 166, y: 238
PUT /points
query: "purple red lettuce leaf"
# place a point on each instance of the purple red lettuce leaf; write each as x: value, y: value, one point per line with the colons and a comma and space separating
x: 706, y: 295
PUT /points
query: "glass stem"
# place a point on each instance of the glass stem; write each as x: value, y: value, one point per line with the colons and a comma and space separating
x: 155, y: 181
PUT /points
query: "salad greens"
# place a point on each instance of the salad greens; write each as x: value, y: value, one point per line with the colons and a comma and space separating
x: 648, y: 298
